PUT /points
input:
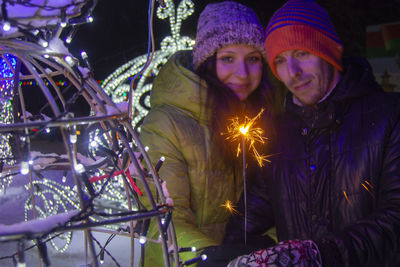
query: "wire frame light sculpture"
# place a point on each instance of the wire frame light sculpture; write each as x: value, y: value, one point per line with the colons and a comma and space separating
x: 35, y: 52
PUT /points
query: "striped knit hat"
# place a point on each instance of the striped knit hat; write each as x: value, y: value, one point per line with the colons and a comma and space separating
x: 226, y: 23
x: 303, y: 25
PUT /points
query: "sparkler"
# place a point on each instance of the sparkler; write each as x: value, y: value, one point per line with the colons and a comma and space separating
x: 251, y: 135
x: 368, y: 189
x: 230, y: 207
x: 248, y: 134
x: 367, y: 186
x: 345, y: 195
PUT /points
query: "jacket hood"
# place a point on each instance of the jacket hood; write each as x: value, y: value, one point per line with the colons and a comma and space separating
x: 357, y: 80
x: 177, y: 85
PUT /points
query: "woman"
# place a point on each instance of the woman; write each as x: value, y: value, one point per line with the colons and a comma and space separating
x: 193, y: 97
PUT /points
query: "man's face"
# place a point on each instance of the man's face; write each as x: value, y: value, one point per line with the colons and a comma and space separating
x: 306, y: 75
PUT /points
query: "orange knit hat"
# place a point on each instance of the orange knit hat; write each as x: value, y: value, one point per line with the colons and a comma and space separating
x: 303, y: 25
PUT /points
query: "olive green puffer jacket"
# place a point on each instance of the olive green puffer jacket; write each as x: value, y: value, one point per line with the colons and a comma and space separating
x: 198, y: 180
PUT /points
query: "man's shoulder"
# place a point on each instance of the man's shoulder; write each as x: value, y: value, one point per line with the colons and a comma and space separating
x: 380, y: 106
x: 388, y: 99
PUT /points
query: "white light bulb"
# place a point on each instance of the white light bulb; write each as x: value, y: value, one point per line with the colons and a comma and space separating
x: 6, y: 26
x: 24, y: 167
x: 73, y: 138
x: 84, y: 55
x: 43, y: 43
x: 47, y: 130
x: 89, y: 19
x: 69, y: 60
x: 79, y: 168
x: 142, y: 240
x: 68, y: 40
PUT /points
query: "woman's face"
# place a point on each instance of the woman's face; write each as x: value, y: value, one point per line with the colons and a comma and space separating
x: 240, y: 68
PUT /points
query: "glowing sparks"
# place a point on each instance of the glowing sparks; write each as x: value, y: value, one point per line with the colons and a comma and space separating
x: 230, y: 207
x: 368, y: 183
x: 244, y: 130
x: 252, y: 135
x: 345, y: 195
x: 366, y: 188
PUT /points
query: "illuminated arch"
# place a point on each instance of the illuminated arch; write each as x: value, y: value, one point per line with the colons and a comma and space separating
x: 117, y: 84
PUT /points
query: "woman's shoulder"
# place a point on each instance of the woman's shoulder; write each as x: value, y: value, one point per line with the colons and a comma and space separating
x: 168, y: 115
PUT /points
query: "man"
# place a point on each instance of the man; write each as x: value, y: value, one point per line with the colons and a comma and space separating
x: 333, y: 190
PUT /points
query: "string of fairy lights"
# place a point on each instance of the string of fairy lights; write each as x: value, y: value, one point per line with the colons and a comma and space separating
x: 40, y: 24
x: 7, y: 66
x: 53, y: 197
x: 42, y: 60
x: 117, y: 84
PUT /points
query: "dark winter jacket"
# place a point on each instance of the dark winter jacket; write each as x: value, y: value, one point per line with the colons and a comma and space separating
x: 336, y: 179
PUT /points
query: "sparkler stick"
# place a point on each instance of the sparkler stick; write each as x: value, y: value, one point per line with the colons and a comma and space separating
x: 252, y: 135
x: 244, y: 189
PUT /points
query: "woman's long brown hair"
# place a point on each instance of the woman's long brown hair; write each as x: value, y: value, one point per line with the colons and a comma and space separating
x: 224, y: 104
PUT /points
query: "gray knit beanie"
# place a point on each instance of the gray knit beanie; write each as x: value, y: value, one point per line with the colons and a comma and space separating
x: 226, y: 23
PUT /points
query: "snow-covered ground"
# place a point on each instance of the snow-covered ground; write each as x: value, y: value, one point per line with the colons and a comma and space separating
x: 12, y: 211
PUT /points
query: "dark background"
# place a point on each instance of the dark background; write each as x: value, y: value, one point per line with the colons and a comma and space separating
x: 119, y: 30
